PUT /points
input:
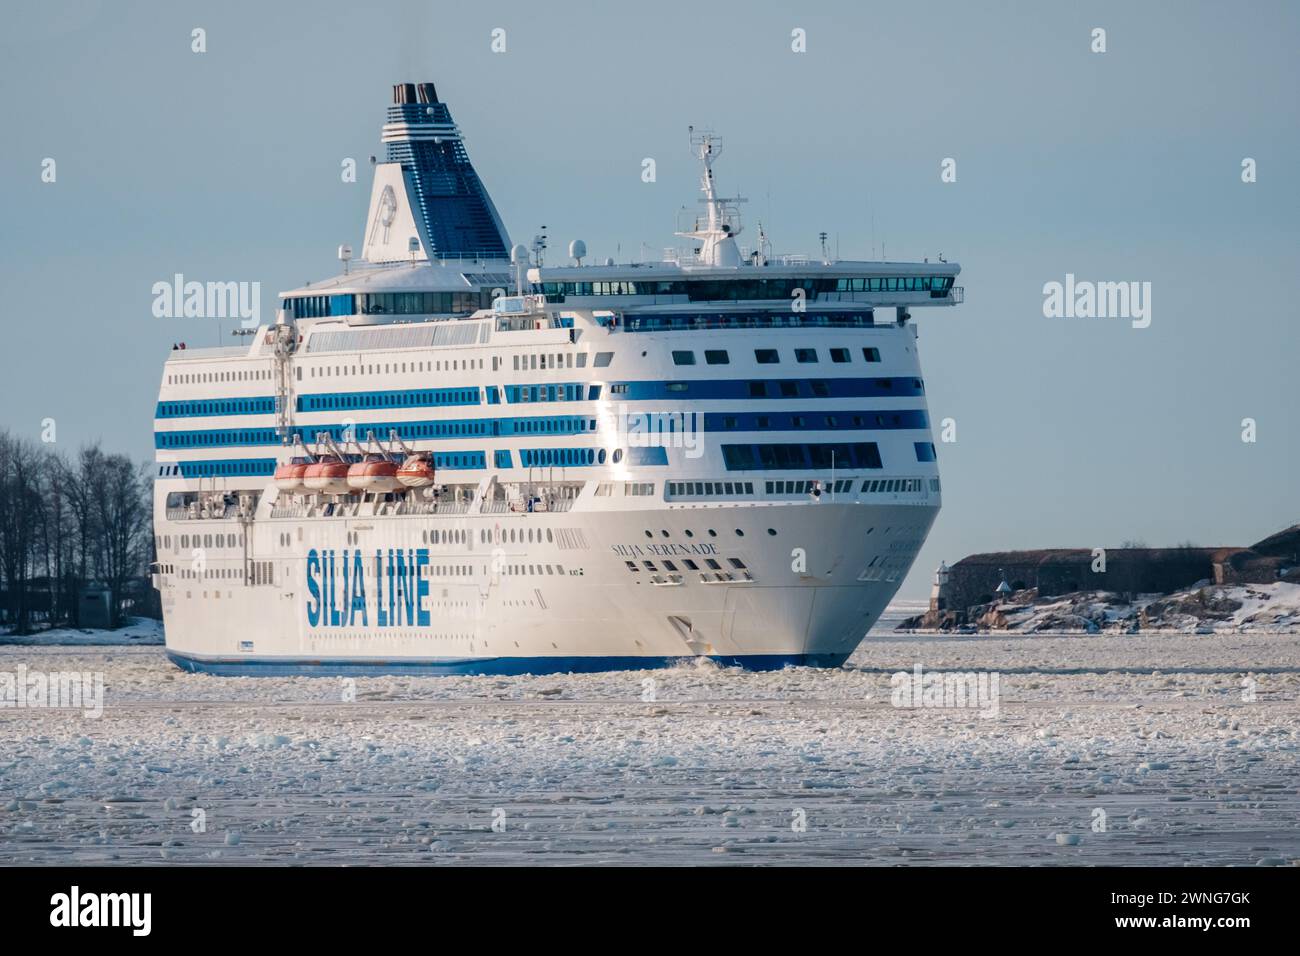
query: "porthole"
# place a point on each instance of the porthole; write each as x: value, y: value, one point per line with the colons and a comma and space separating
x: 739, y: 533
x: 690, y: 533
x: 712, y: 533
x: 663, y: 532
x: 649, y: 533
x: 772, y: 532
x: 618, y: 455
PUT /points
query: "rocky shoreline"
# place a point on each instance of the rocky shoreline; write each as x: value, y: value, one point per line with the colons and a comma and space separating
x: 1204, y: 608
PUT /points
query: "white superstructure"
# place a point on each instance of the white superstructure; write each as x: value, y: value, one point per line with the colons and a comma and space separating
x: 453, y: 458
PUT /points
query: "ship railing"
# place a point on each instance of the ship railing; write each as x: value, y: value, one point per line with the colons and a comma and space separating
x: 769, y: 320
x: 437, y: 507
x: 200, y: 514
x: 497, y: 506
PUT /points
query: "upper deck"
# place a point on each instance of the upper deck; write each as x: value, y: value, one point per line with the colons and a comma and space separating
x: 887, y: 284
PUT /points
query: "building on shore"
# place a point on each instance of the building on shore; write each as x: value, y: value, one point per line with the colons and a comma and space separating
x: 1050, y: 572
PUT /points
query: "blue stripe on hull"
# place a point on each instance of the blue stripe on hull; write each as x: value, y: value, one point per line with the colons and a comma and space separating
x: 292, y: 667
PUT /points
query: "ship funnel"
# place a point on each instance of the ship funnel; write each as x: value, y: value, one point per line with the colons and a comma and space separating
x: 426, y: 186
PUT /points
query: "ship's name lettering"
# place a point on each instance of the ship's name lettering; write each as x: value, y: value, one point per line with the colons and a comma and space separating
x: 338, y: 582
x: 662, y: 550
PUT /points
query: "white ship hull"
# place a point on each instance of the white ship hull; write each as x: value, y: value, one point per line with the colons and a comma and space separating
x: 565, y: 602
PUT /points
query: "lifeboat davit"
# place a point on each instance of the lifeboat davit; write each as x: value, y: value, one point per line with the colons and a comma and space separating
x: 376, y: 473
x: 416, y: 472
x: 288, y: 477
x: 329, y: 476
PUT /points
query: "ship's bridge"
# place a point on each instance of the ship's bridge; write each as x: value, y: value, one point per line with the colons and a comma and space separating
x: 377, y: 294
x: 902, y: 285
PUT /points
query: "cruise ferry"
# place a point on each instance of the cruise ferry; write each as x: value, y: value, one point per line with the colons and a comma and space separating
x: 458, y: 458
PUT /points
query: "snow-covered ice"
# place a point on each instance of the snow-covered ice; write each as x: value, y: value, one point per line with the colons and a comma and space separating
x: 1107, y: 749
x: 141, y: 630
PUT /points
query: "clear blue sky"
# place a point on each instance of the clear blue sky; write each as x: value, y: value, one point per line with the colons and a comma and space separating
x: 1116, y: 166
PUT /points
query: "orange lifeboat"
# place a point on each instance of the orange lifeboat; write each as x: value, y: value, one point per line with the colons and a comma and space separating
x: 374, y: 473
x: 288, y: 476
x: 416, y: 471
x: 329, y: 475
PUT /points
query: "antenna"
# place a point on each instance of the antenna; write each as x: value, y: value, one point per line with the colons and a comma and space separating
x: 825, y: 252
x: 719, y: 227
x: 539, y: 246
x: 764, y: 251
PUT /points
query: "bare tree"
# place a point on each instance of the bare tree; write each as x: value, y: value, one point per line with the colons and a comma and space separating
x: 123, y: 525
x: 21, y: 510
x: 65, y: 523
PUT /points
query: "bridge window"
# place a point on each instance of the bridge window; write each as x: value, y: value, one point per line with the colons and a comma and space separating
x: 717, y: 357
x: 871, y: 354
x: 772, y: 457
x: 839, y: 355
x: 805, y: 356
x: 684, y: 358
x: 766, y: 356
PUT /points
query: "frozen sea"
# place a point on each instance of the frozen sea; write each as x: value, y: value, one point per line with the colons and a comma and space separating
x: 1172, y: 749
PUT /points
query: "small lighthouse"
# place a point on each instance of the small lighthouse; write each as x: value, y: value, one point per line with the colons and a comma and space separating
x: 1003, y: 590
x: 939, y: 590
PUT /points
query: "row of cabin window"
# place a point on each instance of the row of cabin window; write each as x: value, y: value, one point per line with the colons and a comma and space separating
x: 521, y: 569
x: 218, y: 406
x: 772, y: 357
x: 690, y: 565
x: 899, y: 485
x: 634, y: 489
x: 684, y: 488
x: 525, y: 363
x: 786, y: 388
x: 199, y: 378
x: 720, y: 290
x: 521, y: 363
x: 205, y: 541
x: 393, y: 368
x: 516, y: 426
x: 387, y: 303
